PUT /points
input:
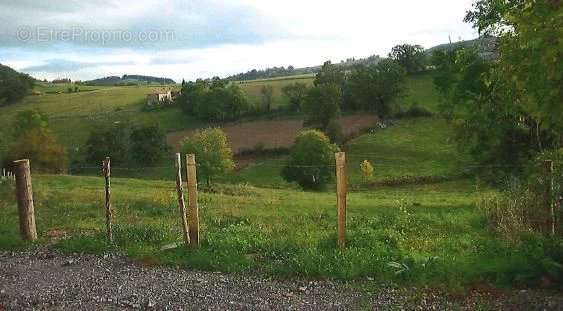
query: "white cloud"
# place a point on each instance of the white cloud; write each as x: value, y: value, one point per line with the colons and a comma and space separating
x: 224, y: 37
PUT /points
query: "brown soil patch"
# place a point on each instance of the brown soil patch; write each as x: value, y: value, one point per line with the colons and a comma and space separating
x: 273, y: 133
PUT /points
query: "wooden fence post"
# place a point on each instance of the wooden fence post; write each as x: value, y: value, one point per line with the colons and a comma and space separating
x: 193, y: 209
x: 341, y: 192
x: 109, y: 212
x: 25, y: 200
x: 181, y: 203
x: 548, y: 166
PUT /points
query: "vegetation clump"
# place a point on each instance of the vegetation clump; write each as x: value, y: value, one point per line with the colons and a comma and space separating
x: 212, y: 152
x: 311, y: 160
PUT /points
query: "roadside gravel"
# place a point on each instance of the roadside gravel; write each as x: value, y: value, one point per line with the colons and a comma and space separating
x: 42, y: 279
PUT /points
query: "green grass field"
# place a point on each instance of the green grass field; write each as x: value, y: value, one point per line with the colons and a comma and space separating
x: 433, y: 230
x: 422, y: 232
x: 252, y: 89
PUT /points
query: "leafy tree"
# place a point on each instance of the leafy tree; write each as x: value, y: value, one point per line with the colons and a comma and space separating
x: 148, y: 145
x: 530, y: 37
x: 411, y: 57
x: 191, y: 93
x: 41, y: 148
x: 507, y: 110
x: 329, y: 74
x: 13, y: 85
x: 267, y: 92
x: 296, y: 93
x: 29, y: 119
x: 237, y: 104
x: 334, y: 132
x: 217, y: 82
x: 367, y: 169
x: 322, y: 105
x: 213, y: 102
x: 376, y: 86
x: 112, y: 142
x: 212, y: 152
x: 311, y: 160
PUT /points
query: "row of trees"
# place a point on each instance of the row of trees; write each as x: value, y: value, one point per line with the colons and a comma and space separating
x: 135, y: 146
x: 369, y: 86
x: 215, y: 100
x: 33, y: 140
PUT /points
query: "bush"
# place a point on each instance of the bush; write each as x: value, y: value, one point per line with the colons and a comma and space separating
x: 112, y: 142
x: 212, y: 152
x: 367, y: 169
x: 334, y: 132
x: 414, y: 111
x: 513, y: 212
x: 311, y: 160
x: 41, y: 148
x: 29, y: 119
x: 296, y: 93
x: 148, y: 145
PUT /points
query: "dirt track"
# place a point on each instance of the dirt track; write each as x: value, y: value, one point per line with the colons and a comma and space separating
x: 274, y: 133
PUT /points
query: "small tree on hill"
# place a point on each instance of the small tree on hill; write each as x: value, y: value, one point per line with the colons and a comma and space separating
x: 311, y: 160
x: 367, y: 169
x: 375, y: 87
x: 148, y: 145
x: 212, y: 152
x: 330, y: 74
x: 267, y: 92
x: 322, y: 105
x: 41, y: 148
x: 29, y: 119
x: 411, y: 57
x: 296, y: 93
x: 112, y: 142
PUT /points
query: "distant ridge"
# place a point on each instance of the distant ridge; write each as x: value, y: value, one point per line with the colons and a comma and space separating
x: 129, y: 80
x: 486, y: 47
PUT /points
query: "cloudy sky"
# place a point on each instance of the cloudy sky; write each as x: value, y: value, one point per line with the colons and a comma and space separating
x: 202, y: 38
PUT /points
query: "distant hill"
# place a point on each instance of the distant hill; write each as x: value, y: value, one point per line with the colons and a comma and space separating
x: 486, y: 46
x: 276, y: 72
x: 129, y: 80
x: 13, y: 85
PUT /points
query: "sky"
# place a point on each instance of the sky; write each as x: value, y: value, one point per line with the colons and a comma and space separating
x: 189, y: 39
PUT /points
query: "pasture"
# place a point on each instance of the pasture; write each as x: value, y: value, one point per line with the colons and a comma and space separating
x: 415, y: 222
x: 433, y: 230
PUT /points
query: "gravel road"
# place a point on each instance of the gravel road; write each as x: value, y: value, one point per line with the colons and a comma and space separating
x: 41, y: 279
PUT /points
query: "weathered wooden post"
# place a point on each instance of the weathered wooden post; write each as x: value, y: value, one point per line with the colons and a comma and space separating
x: 24, y: 195
x: 548, y: 166
x: 193, y: 209
x: 181, y: 203
x: 341, y: 192
x: 109, y: 212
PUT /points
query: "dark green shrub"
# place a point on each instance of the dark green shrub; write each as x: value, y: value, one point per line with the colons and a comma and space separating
x: 311, y: 160
x: 414, y: 111
x: 148, y: 145
x: 41, y: 148
x: 334, y: 132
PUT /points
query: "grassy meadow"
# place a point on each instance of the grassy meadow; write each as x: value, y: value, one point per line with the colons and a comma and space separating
x: 424, y: 229
x: 433, y: 232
